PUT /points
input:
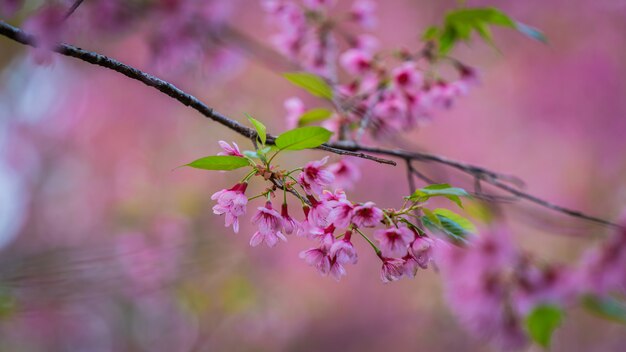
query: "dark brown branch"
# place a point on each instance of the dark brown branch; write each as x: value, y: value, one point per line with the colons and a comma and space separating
x: 166, y: 88
x: 341, y: 148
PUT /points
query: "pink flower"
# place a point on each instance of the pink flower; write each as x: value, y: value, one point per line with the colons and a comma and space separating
x: 48, y: 27
x: 319, y: 257
x: 337, y: 196
x: 231, y: 202
x: 9, y: 7
x: 344, y: 251
x: 408, y: 78
x: 336, y: 269
x: 346, y: 173
x: 363, y: 12
x: 356, y: 61
x: 290, y: 225
x: 410, y: 266
x: 553, y: 285
x: 392, y: 269
x: 603, y: 269
x: 319, y: 213
x: 313, y: 178
x: 394, y: 241
x: 295, y: 109
x: 367, y: 43
x: 341, y: 214
x: 367, y: 215
x: 228, y: 150
x: 270, y: 223
x: 422, y: 249
x: 478, y: 290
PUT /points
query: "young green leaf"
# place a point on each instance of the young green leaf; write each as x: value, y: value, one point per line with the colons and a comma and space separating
x: 456, y: 227
x: 311, y: 83
x: 443, y: 190
x: 219, y: 162
x: 430, y: 33
x: 314, y: 115
x: 606, y: 307
x: 260, y: 128
x: 462, y: 222
x: 303, y: 138
x: 461, y: 23
x: 542, y: 322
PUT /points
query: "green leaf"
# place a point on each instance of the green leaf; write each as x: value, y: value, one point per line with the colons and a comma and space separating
x: 314, y: 115
x: 443, y: 190
x: 251, y: 154
x: 456, y: 227
x: 311, y: 83
x: 219, y: 162
x: 461, y: 23
x: 430, y: 33
x: 542, y: 322
x: 463, y: 223
x: 303, y: 138
x: 261, y: 130
x: 432, y: 217
x: 606, y: 307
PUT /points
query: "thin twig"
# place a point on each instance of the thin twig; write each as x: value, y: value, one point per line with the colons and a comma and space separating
x: 72, y: 9
x: 165, y: 87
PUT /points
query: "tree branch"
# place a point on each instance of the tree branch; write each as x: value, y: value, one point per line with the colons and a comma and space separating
x: 164, y: 87
x: 341, y: 148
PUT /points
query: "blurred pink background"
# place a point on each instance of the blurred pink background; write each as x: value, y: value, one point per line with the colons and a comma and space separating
x: 101, y: 236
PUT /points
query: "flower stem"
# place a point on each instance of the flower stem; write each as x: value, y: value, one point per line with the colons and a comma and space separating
x: 376, y: 249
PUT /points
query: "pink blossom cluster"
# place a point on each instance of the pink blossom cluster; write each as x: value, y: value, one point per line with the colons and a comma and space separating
x: 329, y: 219
x: 492, y: 287
x: 382, y: 99
x: 603, y: 269
x: 186, y: 31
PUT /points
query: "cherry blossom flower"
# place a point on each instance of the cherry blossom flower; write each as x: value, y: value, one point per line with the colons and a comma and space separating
x: 394, y: 241
x: 314, y: 178
x: 410, y: 266
x: 407, y: 78
x: 338, y: 196
x: 270, y: 223
x: 392, y: 269
x: 346, y: 174
x: 9, y: 7
x: 367, y: 215
x: 318, y: 257
x: 295, y: 109
x: 356, y: 61
x: 231, y: 202
x: 228, y: 150
x: 290, y: 225
x: 319, y: 213
x: 48, y: 26
x: 343, y: 250
x: 341, y: 213
x: 363, y: 12
x: 422, y: 249
x: 603, y: 269
x: 336, y: 269
x: 552, y: 285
